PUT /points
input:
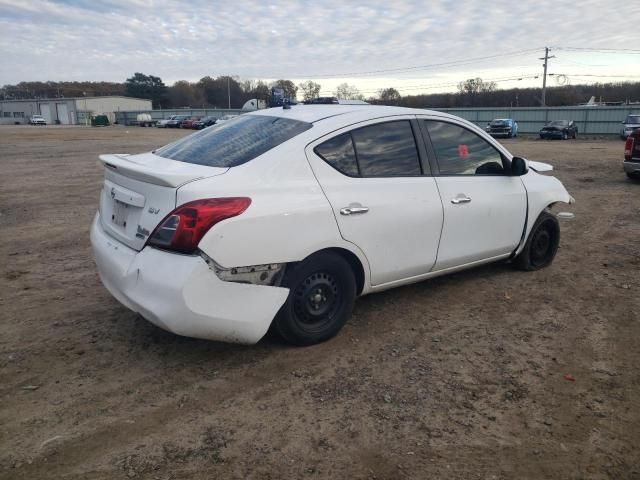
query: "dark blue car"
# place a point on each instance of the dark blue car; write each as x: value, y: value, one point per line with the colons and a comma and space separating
x: 502, y: 127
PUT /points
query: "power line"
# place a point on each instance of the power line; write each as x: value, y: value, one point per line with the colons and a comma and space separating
x: 440, y: 85
x: 631, y: 51
x: 592, y: 75
x: 453, y: 63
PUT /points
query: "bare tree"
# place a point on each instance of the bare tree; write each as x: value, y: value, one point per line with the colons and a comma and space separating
x: 310, y: 90
x: 389, y: 96
x: 472, y: 87
x: 289, y: 88
x: 344, y: 91
x: 476, y: 85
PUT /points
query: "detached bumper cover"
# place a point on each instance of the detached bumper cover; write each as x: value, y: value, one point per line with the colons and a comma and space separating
x: 181, y: 294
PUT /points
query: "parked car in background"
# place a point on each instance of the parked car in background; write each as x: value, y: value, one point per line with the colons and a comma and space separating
x: 145, y: 120
x: 188, y: 122
x: 37, y: 120
x: 282, y: 217
x: 502, y: 127
x: 163, y: 123
x: 632, y: 155
x: 176, y: 121
x: 204, y: 122
x: 559, y: 129
x: 631, y: 123
x: 226, y: 118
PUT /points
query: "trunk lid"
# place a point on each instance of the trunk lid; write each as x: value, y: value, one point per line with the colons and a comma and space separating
x: 140, y: 190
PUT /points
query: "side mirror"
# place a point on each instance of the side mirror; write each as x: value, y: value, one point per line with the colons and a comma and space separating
x: 518, y: 167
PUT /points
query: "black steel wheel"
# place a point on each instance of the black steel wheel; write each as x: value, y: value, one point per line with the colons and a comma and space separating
x: 542, y: 244
x: 322, y: 291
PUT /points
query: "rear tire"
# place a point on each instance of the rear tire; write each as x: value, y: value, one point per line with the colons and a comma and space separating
x: 321, y: 297
x: 542, y: 244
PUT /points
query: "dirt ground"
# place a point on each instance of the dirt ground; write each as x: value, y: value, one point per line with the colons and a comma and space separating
x: 457, y: 377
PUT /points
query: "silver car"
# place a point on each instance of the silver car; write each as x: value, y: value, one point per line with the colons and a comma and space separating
x: 629, y: 125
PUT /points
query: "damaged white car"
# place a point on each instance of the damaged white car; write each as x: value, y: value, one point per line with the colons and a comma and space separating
x: 280, y: 218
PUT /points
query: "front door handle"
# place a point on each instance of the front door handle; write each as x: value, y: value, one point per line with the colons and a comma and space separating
x: 459, y: 200
x: 353, y: 210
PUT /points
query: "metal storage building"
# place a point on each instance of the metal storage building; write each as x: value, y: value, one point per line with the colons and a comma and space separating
x: 69, y: 111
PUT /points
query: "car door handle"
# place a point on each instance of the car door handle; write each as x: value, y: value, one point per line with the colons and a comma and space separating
x: 353, y: 210
x: 459, y: 200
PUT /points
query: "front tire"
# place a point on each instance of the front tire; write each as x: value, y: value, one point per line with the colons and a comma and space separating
x: 542, y: 244
x: 322, y: 291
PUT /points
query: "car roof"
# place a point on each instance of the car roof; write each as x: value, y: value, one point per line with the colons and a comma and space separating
x: 316, y: 113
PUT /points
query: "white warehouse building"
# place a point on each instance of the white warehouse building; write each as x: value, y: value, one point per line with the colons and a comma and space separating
x: 68, y: 111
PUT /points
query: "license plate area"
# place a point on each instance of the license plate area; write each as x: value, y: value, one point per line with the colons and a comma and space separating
x: 120, y: 213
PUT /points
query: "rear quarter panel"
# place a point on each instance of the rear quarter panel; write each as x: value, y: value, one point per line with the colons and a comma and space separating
x: 289, y: 217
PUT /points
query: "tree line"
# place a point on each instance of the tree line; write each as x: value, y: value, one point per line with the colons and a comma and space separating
x: 232, y: 92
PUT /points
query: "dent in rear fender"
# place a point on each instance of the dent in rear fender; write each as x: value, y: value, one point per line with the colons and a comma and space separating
x: 289, y: 217
x: 277, y: 237
x: 249, y: 309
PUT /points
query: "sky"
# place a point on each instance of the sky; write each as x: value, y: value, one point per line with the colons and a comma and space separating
x: 413, y: 46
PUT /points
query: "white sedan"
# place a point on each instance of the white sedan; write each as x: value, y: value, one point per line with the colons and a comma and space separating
x: 280, y: 218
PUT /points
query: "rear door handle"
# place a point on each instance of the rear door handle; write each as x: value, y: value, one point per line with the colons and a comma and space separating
x: 353, y: 210
x: 459, y: 200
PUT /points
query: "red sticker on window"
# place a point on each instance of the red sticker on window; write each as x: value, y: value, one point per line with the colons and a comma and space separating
x: 463, y: 151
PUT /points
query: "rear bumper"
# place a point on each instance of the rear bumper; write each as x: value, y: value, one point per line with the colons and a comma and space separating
x: 632, y: 167
x: 181, y: 294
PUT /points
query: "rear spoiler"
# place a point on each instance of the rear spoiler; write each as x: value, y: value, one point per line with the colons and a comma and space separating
x: 150, y: 168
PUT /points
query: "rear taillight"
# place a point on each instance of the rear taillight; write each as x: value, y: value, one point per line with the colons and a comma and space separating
x: 182, y: 229
x: 628, y: 147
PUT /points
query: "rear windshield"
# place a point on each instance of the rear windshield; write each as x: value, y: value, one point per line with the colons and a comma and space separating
x: 558, y: 123
x: 233, y: 142
x: 633, y: 119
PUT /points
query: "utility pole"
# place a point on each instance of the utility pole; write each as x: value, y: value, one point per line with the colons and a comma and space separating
x: 228, y: 93
x: 544, y: 76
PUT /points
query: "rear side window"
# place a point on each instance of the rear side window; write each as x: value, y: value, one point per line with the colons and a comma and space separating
x: 339, y: 153
x: 234, y: 142
x: 461, y: 152
x: 381, y: 150
x: 387, y: 150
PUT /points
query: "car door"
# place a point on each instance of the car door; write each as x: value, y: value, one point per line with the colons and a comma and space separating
x: 484, y: 207
x: 377, y: 180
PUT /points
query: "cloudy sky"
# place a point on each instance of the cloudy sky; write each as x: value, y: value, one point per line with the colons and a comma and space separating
x: 414, y: 46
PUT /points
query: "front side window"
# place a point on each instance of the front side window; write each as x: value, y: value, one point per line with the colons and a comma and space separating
x: 381, y: 150
x: 234, y: 142
x: 462, y: 152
